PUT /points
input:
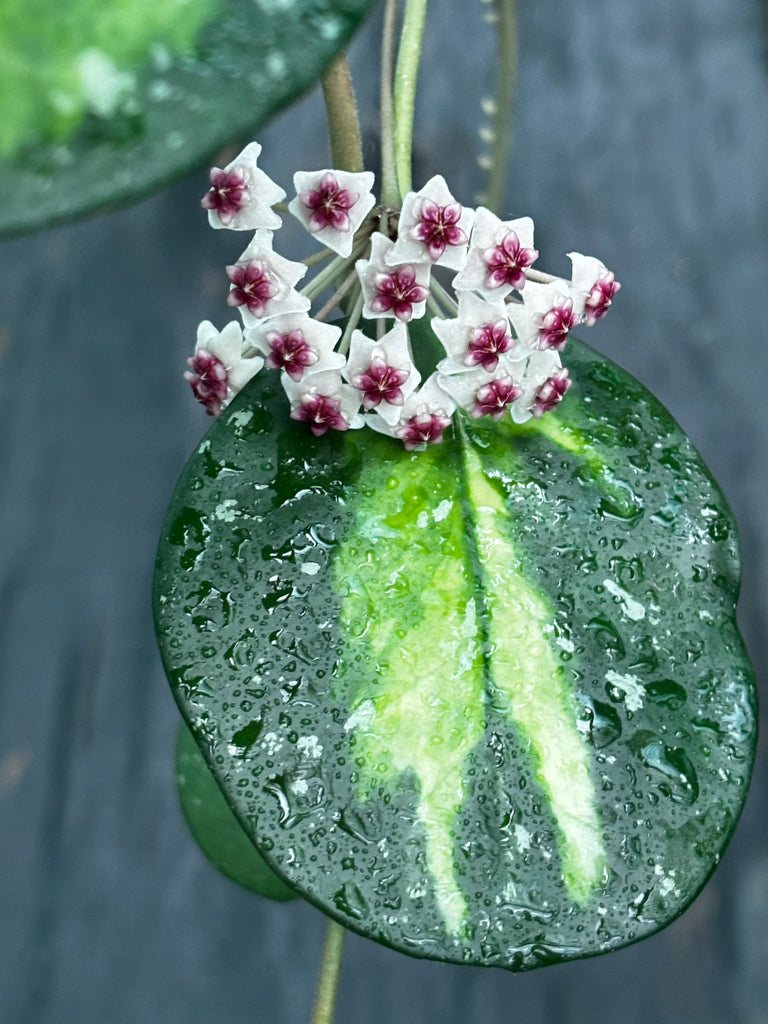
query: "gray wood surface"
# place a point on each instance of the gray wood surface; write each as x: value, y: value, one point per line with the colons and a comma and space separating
x: 641, y: 136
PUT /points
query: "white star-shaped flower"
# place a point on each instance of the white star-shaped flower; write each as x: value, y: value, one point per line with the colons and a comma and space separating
x: 383, y: 371
x: 546, y: 315
x: 241, y: 195
x: 593, y: 281
x: 433, y: 228
x: 484, y: 393
x: 332, y: 205
x: 263, y: 282
x: 478, y: 335
x: 541, y: 367
x: 296, y: 343
x: 218, y: 369
x: 499, y: 253
x: 324, y: 402
x: 392, y: 291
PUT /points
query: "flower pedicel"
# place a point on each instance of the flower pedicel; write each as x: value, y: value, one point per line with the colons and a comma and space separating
x: 502, y: 330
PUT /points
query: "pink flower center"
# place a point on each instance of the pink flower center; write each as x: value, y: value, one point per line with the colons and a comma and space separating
x: 438, y: 227
x: 329, y: 204
x: 290, y: 352
x: 252, y: 286
x: 381, y: 383
x: 398, y: 292
x: 227, y: 195
x: 507, y: 261
x: 556, y: 324
x: 551, y: 392
x: 321, y: 412
x: 493, y: 398
x: 486, y: 343
x: 208, y: 378
x: 599, y: 299
x: 424, y: 428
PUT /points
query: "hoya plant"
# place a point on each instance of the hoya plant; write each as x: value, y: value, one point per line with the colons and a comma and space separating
x: 445, y: 597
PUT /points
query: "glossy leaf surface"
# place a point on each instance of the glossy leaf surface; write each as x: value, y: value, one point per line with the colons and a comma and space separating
x: 498, y: 709
x: 105, y: 102
x: 215, y: 827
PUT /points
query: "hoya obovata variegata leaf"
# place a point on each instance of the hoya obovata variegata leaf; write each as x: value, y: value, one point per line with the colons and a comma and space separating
x: 112, y: 100
x: 497, y: 707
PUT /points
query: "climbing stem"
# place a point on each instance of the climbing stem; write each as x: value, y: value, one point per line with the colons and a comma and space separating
x: 390, y: 194
x: 343, y: 121
x: 330, y: 968
x: 406, y: 74
x: 506, y: 74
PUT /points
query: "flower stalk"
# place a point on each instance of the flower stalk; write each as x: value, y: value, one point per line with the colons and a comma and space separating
x: 442, y: 296
x: 316, y: 257
x: 506, y: 76
x: 390, y: 193
x: 406, y: 75
x: 338, y: 267
x: 352, y: 322
x: 539, y: 276
x: 337, y: 296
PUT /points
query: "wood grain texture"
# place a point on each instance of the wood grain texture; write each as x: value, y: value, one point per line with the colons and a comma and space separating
x: 640, y: 137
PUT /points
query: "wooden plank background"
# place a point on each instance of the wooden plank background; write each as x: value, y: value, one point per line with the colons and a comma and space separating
x: 641, y: 136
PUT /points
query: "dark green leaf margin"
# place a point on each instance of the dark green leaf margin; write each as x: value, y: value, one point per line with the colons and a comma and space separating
x: 215, y: 827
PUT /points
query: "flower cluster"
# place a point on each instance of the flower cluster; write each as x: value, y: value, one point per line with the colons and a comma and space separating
x: 502, y: 330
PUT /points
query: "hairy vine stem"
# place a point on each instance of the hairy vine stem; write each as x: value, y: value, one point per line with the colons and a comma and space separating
x: 343, y: 120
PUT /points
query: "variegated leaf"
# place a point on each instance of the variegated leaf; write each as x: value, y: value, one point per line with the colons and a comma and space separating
x: 498, y: 709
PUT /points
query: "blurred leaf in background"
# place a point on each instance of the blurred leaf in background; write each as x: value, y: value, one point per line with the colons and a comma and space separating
x: 104, y: 102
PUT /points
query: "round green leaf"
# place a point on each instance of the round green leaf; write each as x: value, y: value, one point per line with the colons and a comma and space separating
x: 505, y: 713
x: 214, y: 826
x: 114, y: 99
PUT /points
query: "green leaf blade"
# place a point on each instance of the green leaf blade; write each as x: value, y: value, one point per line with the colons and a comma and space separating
x: 507, y: 715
